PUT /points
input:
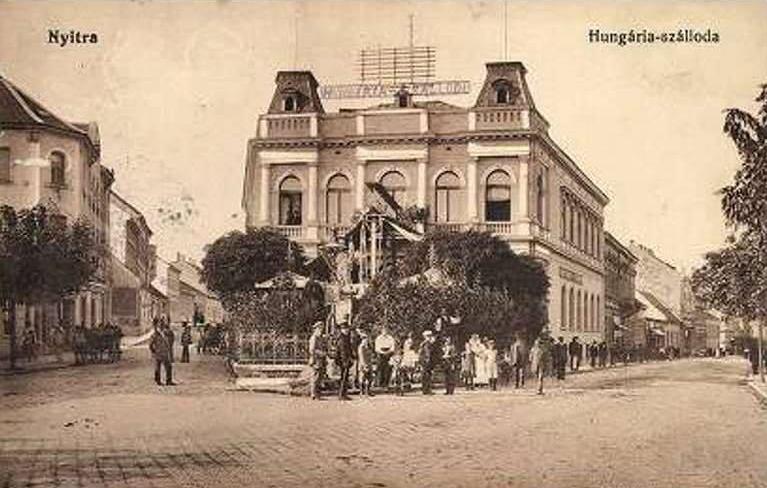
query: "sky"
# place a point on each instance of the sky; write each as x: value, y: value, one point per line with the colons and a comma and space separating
x: 177, y: 87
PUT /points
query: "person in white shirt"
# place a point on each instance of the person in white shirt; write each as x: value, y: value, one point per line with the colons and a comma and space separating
x: 385, y: 345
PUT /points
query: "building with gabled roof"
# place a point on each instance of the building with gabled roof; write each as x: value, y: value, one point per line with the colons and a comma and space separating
x: 45, y: 159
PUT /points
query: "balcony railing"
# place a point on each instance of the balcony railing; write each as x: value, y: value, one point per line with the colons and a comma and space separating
x: 499, y: 118
x: 496, y: 227
x: 291, y: 231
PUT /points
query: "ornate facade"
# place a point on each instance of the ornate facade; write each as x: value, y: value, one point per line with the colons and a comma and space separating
x: 491, y: 166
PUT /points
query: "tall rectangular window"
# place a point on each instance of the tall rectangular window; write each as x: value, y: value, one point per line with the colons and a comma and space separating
x: 5, y: 164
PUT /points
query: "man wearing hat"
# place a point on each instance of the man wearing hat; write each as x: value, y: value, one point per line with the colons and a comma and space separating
x: 317, y: 355
x: 344, y: 359
x: 426, y: 358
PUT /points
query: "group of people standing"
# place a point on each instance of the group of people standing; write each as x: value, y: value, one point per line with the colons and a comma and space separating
x: 365, y: 362
x: 97, y: 344
x: 359, y: 360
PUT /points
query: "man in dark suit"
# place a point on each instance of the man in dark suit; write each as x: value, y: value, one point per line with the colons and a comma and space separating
x: 560, y: 358
x: 575, y: 349
x: 426, y: 358
x: 161, y: 347
x: 344, y: 359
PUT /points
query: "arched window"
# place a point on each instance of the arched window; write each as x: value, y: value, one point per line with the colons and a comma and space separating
x: 593, y: 313
x: 540, y: 195
x: 579, y: 312
x: 502, y: 94
x: 498, y: 197
x: 563, y: 218
x: 289, y: 103
x: 290, y: 201
x: 571, y: 223
x: 58, y: 168
x: 571, y: 310
x: 338, y: 200
x: 446, y: 198
x: 563, y: 306
x: 395, y: 185
x: 578, y: 228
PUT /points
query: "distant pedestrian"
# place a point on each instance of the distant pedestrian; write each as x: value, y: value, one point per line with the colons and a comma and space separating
x: 602, y: 353
x: 540, y: 358
x: 161, y: 349
x: 344, y: 359
x: 409, y: 362
x: 450, y: 365
x: 593, y: 353
x: 171, y: 339
x: 519, y: 359
x: 575, y: 351
x: 395, y: 364
x: 29, y: 344
x: 491, y: 364
x: 480, y: 360
x: 384, y: 348
x: 467, y: 367
x: 317, y: 358
x: 365, y: 357
x: 57, y: 340
x: 186, y: 341
x: 80, y: 345
x: 559, y: 354
x: 426, y: 358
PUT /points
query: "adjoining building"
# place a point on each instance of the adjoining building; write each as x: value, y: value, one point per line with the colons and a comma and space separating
x: 47, y: 160
x: 188, y: 297
x: 135, y: 301
x: 492, y: 166
x: 659, y: 291
x: 620, y: 291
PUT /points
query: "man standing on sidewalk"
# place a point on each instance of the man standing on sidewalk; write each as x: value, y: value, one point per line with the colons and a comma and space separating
x: 426, y: 358
x: 540, y: 358
x: 575, y: 349
x: 186, y: 341
x: 344, y: 360
x: 161, y: 348
x: 560, y: 358
x: 317, y: 355
x: 519, y: 358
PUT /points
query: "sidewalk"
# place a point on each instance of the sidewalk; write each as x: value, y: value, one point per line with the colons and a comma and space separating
x: 46, y: 362
x: 757, y: 387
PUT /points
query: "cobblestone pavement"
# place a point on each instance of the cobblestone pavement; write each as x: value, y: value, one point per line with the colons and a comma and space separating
x: 690, y: 423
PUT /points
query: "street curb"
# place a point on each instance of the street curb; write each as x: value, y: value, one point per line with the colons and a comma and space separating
x: 760, y: 394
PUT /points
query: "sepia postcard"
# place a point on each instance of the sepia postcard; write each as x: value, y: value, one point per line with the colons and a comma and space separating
x: 383, y: 243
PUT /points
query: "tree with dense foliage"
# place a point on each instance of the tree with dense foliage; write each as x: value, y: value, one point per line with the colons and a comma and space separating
x: 733, y: 279
x: 235, y: 262
x: 494, y: 291
x: 42, y: 258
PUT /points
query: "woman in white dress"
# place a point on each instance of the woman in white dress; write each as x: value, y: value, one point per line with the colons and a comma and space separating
x: 491, y: 364
x: 480, y: 360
